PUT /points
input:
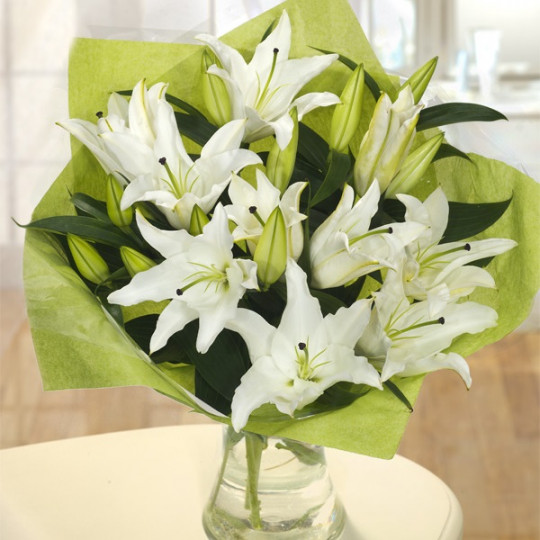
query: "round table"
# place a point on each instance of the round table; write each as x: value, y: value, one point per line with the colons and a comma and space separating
x: 153, y: 484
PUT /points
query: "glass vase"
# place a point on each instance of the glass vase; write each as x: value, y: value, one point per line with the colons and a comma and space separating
x: 269, y: 487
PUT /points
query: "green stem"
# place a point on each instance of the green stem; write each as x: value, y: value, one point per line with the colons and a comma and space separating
x: 229, y: 443
x: 255, y: 444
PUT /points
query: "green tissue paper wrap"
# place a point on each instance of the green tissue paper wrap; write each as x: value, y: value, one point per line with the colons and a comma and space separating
x: 77, y: 344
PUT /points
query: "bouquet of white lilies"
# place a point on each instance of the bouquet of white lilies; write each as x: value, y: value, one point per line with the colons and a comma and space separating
x: 271, y: 242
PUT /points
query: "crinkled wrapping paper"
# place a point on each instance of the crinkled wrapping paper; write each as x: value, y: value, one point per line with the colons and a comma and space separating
x: 79, y: 347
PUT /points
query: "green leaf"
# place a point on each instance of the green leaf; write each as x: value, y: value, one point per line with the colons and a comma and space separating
x: 268, y: 31
x: 447, y: 150
x: 270, y: 303
x: 312, y: 147
x: 90, y: 206
x: 466, y: 219
x: 206, y: 392
x: 218, y: 371
x: 393, y: 209
x: 181, y: 104
x: 337, y: 175
x: 224, y: 364
x: 114, y: 310
x: 174, y: 352
x: 197, y: 128
x: 177, y: 102
x: 370, y: 82
x: 398, y: 393
x: 86, y: 227
x: 329, y: 303
x: 454, y: 113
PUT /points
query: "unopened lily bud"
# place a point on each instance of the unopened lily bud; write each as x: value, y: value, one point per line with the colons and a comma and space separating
x: 197, y: 221
x: 280, y: 163
x: 119, y: 217
x: 415, y: 166
x: 271, y: 252
x: 387, y: 141
x: 420, y: 79
x: 215, y: 95
x: 346, y: 116
x: 134, y: 261
x: 89, y: 262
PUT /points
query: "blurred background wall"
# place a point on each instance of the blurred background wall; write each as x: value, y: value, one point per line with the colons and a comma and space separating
x: 489, y: 52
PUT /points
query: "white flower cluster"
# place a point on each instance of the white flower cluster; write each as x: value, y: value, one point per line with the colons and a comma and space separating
x: 401, y: 329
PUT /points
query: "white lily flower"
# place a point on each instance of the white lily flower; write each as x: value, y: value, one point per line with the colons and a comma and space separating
x: 199, y: 275
x: 89, y: 133
x: 343, y: 248
x: 181, y: 183
x: 296, y: 362
x: 140, y: 144
x: 407, y: 339
x: 263, y: 91
x: 387, y: 141
x: 251, y: 207
x: 438, y: 272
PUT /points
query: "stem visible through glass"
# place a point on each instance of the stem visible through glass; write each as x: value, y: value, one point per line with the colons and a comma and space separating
x: 255, y: 444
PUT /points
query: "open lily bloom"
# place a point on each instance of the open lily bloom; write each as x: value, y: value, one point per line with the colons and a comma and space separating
x: 296, y: 362
x: 123, y: 142
x: 140, y: 144
x: 89, y: 133
x: 199, y: 274
x: 407, y: 339
x: 439, y: 272
x: 343, y: 248
x: 181, y: 183
x: 263, y: 91
x: 251, y: 207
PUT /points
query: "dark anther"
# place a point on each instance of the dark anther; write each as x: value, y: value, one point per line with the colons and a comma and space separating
x: 179, y: 292
x: 390, y: 230
x: 467, y: 247
x: 99, y: 114
x: 162, y: 161
x: 301, y: 346
x: 252, y: 209
x: 276, y: 50
x: 441, y: 320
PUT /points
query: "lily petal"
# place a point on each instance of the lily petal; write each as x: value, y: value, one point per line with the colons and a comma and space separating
x: 168, y: 243
x: 171, y: 320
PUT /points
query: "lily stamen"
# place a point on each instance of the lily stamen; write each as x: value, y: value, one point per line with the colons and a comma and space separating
x: 395, y: 333
x: 211, y: 274
x: 262, y: 95
x: 306, y: 368
x: 253, y: 211
x: 388, y: 230
x: 99, y: 114
x: 466, y: 247
x: 173, y: 181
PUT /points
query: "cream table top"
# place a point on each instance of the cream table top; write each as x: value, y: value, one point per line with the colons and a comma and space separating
x: 153, y: 484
